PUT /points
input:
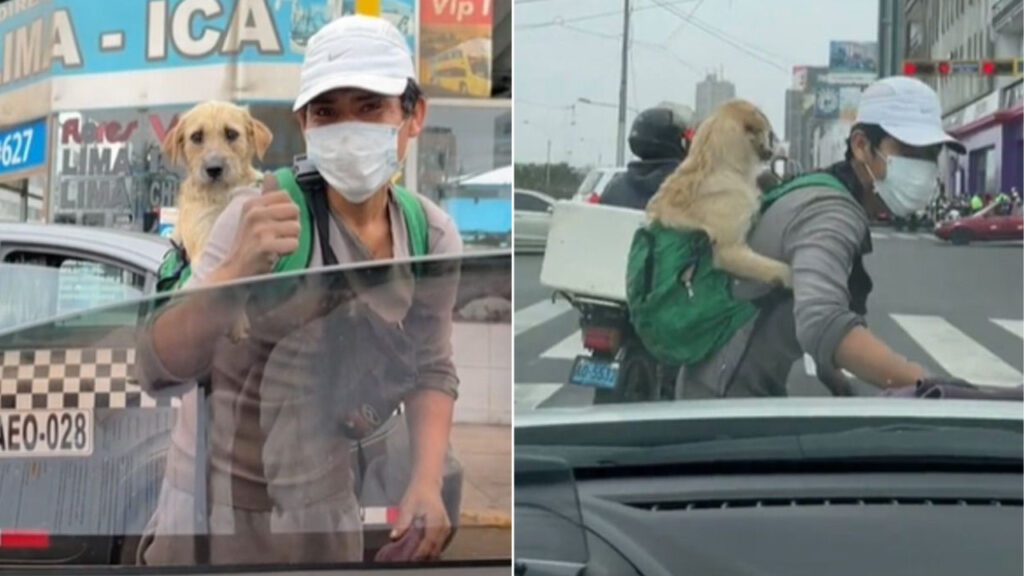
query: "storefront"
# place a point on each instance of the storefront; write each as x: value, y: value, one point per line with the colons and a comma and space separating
x: 23, y: 171
x: 100, y: 108
x: 990, y: 130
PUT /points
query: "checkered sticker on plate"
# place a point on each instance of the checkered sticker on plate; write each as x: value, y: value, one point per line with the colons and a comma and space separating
x: 90, y: 378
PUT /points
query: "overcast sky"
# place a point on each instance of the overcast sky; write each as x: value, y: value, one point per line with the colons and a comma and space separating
x: 570, y: 49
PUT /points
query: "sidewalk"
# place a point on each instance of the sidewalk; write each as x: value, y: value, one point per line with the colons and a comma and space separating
x: 485, y: 522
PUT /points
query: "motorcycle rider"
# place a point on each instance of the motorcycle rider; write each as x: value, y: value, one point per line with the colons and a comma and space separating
x: 658, y: 139
x: 823, y: 234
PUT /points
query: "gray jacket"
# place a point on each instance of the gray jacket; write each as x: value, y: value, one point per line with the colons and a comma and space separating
x: 821, y: 233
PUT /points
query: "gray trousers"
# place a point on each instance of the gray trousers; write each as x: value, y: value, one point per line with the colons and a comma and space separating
x: 329, y: 531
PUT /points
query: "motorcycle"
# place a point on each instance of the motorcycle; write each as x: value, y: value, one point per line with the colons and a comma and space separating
x: 618, y: 367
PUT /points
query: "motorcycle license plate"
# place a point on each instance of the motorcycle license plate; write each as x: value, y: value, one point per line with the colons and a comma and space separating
x: 587, y: 371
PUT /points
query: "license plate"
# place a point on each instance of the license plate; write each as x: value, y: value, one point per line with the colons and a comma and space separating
x: 587, y: 371
x: 45, y: 433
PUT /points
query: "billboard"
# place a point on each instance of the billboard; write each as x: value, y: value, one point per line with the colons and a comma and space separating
x: 856, y: 57
x: 799, y: 77
x: 45, y: 38
x: 455, y: 47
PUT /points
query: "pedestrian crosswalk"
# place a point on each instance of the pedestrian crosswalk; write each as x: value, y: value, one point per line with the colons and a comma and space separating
x: 958, y: 353
x: 987, y: 351
x: 889, y: 235
x: 539, y: 313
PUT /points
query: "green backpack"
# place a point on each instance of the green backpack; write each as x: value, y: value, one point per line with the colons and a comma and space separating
x: 175, y: 269
x: 681, y: 307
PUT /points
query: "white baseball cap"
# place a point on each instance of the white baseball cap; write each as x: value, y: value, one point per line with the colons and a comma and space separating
x: 908, y: 110
x: 355, y: 52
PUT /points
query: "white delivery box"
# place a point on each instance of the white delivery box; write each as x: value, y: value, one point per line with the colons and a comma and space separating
x: 587, y: 249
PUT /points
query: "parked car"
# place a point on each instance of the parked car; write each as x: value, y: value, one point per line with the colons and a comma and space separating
x: 532, y: 213
x: 595, y: 183
x: 994, y: 222
x: 71, y: 299
x: 47, y: 270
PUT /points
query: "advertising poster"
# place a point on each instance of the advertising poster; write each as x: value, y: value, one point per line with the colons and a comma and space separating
x: 307, y: 17
x: 455, y: 47
x: 108, y: 169
x: 849, y: 99
x: 401, y: 13
x: 826, y: 101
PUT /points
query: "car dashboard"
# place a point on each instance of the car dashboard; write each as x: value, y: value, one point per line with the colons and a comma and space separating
x: 841, y: 523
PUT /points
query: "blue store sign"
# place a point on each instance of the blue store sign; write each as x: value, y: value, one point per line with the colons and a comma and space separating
x: 23, y: 147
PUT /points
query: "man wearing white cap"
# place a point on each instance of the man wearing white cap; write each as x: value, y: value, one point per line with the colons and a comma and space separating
x: 280, y: 485
x: 821, y: 229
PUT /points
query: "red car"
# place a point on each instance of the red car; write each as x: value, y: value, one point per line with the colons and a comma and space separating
x: 992, y: 223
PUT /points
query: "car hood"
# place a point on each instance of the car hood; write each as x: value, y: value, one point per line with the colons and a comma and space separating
x: 767, y: 408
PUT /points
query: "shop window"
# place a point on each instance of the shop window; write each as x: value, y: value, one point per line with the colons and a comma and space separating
x: 288, y: 139
x: 983, y: 171
x: 109, y: 170
x: 463, y: 162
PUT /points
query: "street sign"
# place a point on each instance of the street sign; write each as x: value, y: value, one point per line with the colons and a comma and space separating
x: 23, y: 147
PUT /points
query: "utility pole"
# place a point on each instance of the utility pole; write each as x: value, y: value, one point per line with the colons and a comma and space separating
x: 547, y: 170
x: 620, y: 151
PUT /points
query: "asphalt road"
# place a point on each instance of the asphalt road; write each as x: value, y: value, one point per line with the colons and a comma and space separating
x: 955, y: 310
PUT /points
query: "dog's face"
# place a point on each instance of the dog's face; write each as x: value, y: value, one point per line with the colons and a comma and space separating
x: 754, y: 127
x: 217, y: 142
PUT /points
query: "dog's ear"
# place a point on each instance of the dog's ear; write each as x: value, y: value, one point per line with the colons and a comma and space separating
x: 261, y: 136
x: 173, y: 145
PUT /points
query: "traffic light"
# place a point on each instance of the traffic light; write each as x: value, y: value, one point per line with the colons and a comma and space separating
x: 999, y: 67
x: 1003, y: 67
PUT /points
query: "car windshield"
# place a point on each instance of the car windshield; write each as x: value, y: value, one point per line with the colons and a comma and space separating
x: 858, y: 274
x: 293, y: 437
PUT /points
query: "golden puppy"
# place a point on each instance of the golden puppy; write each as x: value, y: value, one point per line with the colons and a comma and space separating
x: 216, y: 142
x: 715, y: 190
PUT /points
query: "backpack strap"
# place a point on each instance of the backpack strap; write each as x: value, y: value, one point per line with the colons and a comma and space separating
x: 819, y: 179
x: 284, y: 179
x: 415, y: 221
x: 175, y: 269
x: 412, y: 211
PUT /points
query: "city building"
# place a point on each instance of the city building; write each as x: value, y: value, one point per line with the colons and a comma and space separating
x: 805, y: 119
x: 712, y: 92
x: 84, y: 126
x: 984, y: 111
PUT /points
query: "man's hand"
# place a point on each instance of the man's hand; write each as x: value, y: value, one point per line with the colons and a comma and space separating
x: 836, y: 382
x: 423, y: 501
x: 269, y: 229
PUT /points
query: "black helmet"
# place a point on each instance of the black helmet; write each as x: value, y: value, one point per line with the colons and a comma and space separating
x: 660, y: 132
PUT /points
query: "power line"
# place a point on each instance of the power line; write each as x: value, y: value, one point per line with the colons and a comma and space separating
x: 683, y: 23
x: 592, y: 32
x: 666, y: 52
x: 559, y: 21
x: 750, y: 45
x: 707, y: 30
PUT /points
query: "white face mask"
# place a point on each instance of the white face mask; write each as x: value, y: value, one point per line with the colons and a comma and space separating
x: 355, y: 158
x: 909, y: 184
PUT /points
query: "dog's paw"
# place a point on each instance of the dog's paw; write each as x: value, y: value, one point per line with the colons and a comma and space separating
x: 784, y: 279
